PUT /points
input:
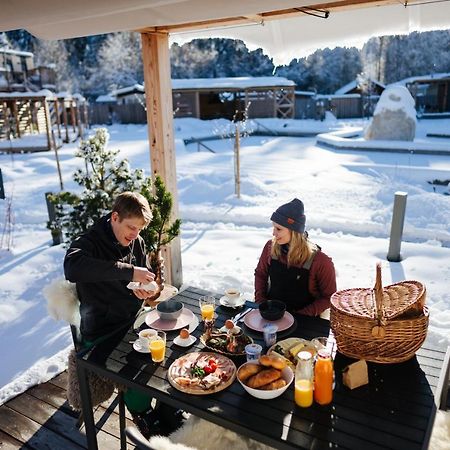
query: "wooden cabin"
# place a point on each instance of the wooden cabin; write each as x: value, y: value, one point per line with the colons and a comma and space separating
x: 19, y: 74
x: 431, y: 93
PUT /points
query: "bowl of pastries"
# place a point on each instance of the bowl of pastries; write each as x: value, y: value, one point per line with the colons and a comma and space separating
x: 267, y: 378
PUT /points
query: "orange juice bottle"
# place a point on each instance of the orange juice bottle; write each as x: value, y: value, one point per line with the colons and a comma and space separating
x: 304, y: 380
x: 323, y: 378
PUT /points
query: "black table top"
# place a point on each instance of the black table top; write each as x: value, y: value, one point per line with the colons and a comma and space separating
x: 395, y: 410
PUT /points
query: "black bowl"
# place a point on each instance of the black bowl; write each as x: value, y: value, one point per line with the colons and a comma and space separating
x: 272, y: 309
x: 169, y: 309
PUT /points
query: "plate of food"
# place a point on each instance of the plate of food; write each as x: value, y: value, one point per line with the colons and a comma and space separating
x: 229, y: 340
x: 201, y: 373
x: 289, y: 348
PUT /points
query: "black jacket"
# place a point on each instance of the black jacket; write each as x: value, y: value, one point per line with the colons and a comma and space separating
x: 102, y: 268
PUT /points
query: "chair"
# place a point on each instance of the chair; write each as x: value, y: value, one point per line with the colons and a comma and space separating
x: 63, y: 304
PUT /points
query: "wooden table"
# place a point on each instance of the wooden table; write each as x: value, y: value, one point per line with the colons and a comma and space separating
x: 396, y: 410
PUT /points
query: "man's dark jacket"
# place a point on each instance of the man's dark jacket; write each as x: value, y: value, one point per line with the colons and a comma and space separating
x: 102, y: 268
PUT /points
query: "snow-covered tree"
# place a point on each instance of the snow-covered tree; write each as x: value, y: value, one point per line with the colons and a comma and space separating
x: 119, y: 63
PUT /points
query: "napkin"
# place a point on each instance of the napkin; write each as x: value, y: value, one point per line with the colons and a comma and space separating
x: 152, y: 286
x: 355, y: 375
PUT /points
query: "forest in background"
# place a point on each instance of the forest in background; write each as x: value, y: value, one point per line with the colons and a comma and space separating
x: 95, y: 65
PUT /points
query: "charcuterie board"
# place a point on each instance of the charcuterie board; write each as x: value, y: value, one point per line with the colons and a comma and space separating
x: 185, y: 373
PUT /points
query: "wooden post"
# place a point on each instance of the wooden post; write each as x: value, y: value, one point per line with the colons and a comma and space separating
x: 197, y: 104
x: 66, y: 124
x: 237, y: 167
x: 51, y: 141
x: 398, y: 219
x: 16, y: 118
x: 58, y: 118
x: 158, y: 96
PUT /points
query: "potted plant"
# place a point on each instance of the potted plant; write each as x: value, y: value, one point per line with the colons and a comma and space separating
x: 160, y: 231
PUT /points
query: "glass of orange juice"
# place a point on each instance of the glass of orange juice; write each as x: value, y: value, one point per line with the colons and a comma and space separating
x: 207, y: 305
x: 157, y: 346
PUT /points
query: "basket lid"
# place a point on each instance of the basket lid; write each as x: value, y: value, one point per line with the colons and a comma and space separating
x: 394, y: 299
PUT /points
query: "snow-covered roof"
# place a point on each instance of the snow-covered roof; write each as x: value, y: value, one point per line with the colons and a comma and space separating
x: 230, y: 83
x: 428, y: 77
x: 42, y: 93
x: 15, y: 52
x: 305, y: 93
x: 330, y: 96
x: 128, y: 89
x: 107, y: 98
x: 353, y: 84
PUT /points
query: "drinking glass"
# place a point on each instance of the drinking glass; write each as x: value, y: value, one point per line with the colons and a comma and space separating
x: 207, y: 305
x: 158, y: 346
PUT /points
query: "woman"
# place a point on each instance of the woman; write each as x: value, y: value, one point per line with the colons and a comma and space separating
x: 293, y: 269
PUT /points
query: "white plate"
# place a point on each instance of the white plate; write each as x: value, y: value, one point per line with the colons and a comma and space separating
x: 140, y: 349
x: 239, y: 302
x: 184, y: 342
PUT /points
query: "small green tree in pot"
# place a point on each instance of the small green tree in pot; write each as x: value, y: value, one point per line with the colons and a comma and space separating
x: 160, y: 231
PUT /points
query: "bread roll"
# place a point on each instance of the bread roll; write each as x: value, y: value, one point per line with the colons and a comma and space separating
x: 248, y: 370
x: 277, y: 384
x: 273, y: 361
x: 266, y: 376
x: 278, y: 363
x: 265, y: 360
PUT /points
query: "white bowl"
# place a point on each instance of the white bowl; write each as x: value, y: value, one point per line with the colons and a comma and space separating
x: 286, y: 373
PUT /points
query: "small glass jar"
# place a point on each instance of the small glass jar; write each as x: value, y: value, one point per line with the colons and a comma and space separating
x: 253, y: 352
x: 304, y: 374
x: 270, y: 334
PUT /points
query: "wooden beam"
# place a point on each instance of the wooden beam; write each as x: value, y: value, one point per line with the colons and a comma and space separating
x: 338, y: 5
x: 158, y: 96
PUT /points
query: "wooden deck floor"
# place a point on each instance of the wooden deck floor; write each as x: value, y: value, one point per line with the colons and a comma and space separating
x: 41, y: 419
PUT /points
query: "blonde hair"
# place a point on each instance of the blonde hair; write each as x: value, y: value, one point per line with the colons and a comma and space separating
x: 132, y: 204
x: 300, y: 249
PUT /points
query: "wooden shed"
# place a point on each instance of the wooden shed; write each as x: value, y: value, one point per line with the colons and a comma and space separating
x: 431, y: 93
x: 40, y: 121
x: 210, y: 98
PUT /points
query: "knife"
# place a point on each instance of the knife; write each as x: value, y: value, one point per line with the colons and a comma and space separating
x: 239, y: 316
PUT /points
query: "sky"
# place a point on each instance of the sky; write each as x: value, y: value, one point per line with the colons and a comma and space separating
x: 348, y: 197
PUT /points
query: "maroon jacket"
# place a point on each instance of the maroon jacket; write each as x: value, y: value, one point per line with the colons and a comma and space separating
x: 322, y: 280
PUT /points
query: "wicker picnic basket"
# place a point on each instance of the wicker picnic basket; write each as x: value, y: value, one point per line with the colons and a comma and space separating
x: 383, y: 325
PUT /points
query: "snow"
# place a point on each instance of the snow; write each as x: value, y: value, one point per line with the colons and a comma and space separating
x: 395, y: 98
x: 348, y: 197
x: 230, y: 82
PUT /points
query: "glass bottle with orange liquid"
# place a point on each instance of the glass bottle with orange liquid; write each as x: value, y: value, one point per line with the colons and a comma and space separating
x: 323, y: 378
x: 304, y: 380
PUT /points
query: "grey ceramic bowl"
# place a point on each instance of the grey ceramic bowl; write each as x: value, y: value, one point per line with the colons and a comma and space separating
x: 169, y: 310
x: 272, y: 309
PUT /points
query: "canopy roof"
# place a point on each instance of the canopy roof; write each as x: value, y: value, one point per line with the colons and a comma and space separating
x: 349, y: 21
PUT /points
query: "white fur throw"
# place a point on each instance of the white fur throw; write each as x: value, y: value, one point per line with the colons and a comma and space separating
x: 200, y: 434
x: 62, y: 301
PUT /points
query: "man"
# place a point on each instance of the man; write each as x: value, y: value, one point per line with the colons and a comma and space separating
x: 102, y: 262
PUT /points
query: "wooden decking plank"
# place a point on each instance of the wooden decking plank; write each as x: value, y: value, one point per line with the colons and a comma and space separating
x: 48, y: 416
x: 32, y: 433
x: 7, y: 442
x: 56, y: 397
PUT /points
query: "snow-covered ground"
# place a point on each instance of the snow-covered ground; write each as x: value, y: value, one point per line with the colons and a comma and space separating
x: 348, y: 198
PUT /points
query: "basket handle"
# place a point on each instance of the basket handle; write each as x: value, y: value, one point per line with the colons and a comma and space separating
x: 378, y: 292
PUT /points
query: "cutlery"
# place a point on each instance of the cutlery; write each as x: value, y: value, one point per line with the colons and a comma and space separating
x: 239, y: 316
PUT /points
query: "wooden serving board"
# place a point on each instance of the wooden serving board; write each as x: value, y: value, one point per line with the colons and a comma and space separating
x: 180, y: 367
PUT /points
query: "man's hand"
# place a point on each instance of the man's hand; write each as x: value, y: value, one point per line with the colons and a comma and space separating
x: 143, y: 275
x: 142, y: 294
